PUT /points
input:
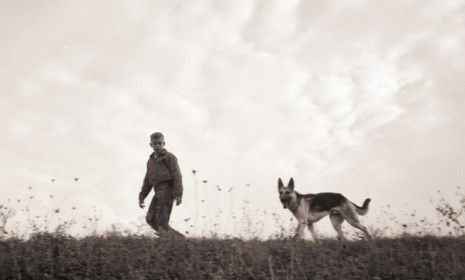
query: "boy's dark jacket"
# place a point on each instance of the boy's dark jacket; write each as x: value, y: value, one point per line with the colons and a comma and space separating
x: 162, y: 168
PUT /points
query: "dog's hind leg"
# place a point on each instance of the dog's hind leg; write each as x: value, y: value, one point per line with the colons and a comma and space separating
x: 353, y: 221
x: 350, y: 215
x: 357, y: 224
x: 337, y: 219
x: 312, y: 230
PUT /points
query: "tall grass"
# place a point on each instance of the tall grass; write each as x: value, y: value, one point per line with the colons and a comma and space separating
x: 55, y: 256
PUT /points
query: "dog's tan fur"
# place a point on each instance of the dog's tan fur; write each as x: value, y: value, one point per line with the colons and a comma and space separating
x: 310, y: 208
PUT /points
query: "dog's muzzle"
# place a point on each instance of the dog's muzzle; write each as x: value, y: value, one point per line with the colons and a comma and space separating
x: 285, y: 202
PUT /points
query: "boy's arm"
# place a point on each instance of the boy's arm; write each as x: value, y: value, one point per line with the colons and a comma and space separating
x: 146, y: 187
x: 173, y: 166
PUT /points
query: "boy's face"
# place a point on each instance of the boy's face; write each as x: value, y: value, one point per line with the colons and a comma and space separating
x: 157, y: 144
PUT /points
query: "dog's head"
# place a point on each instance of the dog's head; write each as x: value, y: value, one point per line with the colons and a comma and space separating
x: 286, y: 194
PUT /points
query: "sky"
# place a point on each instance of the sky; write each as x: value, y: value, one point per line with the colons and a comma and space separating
x: 359, y: 97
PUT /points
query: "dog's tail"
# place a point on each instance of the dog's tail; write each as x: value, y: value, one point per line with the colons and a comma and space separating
x: 364, y: 209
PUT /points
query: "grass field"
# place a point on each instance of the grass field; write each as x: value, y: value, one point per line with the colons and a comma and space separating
x: 55, y: 256
x: 49, y: 253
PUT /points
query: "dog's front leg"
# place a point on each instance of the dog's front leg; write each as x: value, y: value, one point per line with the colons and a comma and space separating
x: 299, y: 233
x: 312, y: 230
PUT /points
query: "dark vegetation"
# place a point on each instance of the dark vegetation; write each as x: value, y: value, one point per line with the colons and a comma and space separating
x: 55, y: 256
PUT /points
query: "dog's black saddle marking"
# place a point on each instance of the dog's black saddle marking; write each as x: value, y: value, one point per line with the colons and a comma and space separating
x: 325, y: 201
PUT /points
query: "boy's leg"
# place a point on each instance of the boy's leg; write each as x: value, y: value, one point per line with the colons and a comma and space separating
x: 165, y: 208
x: 150, y: 218
x: 169, y: 229
x: 161, y: 192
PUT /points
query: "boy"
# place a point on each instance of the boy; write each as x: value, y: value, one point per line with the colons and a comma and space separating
x: 163, y: 174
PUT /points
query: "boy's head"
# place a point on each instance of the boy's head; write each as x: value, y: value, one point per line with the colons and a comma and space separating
x: 157, y: 141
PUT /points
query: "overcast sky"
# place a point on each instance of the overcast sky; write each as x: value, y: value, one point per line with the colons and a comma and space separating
x: 364, y: 98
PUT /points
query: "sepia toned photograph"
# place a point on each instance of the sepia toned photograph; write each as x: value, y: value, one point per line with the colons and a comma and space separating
x: 248, y: 139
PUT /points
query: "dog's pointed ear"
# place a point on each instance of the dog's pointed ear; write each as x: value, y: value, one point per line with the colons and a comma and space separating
x: 280, y: 183
x: 291, y: 183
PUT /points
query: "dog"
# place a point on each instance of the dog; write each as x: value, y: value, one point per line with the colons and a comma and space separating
x: 310, y: 208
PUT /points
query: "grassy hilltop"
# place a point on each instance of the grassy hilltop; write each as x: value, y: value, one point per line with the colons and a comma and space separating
x: 56, y: 256
x: 119, y: 254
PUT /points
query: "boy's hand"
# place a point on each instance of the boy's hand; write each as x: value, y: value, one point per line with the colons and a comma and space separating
x: 178, y: 200
x: 141, y: 204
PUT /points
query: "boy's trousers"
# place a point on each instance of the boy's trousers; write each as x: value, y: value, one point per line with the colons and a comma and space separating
x: 158, y: 215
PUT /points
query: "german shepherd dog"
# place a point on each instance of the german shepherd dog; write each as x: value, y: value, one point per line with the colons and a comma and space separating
x: 310, y: 208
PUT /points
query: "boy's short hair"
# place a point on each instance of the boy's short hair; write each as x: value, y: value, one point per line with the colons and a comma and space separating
x: 157, y: 135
